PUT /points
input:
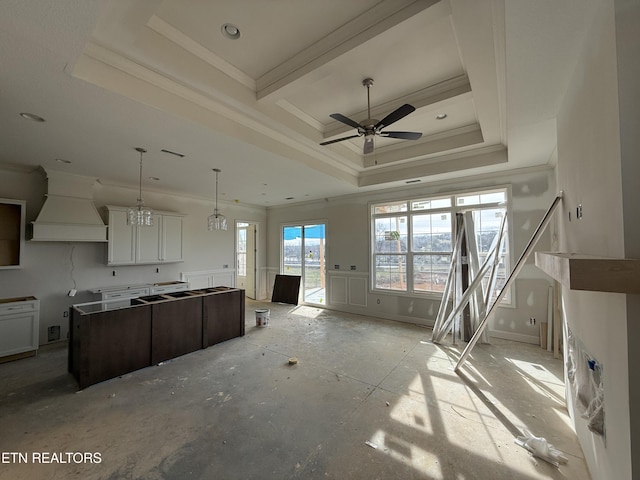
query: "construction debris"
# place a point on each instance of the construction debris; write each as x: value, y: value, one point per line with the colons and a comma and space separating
x: 539, y: 447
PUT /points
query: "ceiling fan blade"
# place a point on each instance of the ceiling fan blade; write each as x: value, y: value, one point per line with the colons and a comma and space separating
x: 329, y: 142
x: 394, y: 116
x: 403, y: 135
x: 368, y: 144
x: 346, y: 120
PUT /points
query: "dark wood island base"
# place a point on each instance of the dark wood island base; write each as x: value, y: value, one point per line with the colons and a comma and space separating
x: 106, y: 343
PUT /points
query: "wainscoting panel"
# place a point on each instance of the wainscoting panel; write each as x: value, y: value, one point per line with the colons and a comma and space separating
x: 358, y: 291
x: 338, y: 292
x: 209, y: 278
x: 271, y: 280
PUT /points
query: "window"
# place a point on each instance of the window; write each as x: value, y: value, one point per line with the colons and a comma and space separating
x: 413, y: 239
x: 242, y: 249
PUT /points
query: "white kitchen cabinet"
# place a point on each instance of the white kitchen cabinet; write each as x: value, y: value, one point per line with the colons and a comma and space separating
x: 149, y: 242
x: 19, y: 324
x: 122, y: 239
x: 172, y: 238
x: 130, y: 245
x: 168, y: 287
x: 120, y: 296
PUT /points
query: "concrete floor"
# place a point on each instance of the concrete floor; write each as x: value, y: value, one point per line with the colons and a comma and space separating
x: 238, y: 410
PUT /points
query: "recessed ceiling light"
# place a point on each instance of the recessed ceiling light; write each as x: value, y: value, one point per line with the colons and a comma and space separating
x: 32, y: 117
x: 229, y: 30
x: 413, y: 181
x: 62, y: 160
x: 289, y: 198
x: 441, y: 116
x: 154, y: 179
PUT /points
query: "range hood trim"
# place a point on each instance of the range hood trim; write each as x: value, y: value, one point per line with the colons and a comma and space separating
x: 68, y: 213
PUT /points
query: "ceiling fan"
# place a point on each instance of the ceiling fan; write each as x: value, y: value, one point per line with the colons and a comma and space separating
x: 372, y: 127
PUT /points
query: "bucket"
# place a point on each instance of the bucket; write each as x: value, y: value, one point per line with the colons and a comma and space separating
x: 262, y: 317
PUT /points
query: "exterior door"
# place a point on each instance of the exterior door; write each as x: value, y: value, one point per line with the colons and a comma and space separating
x: 303, y: 253
x: 246, y: 234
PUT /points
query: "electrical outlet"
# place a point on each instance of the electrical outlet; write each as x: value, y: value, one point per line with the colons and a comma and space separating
x: 114, y: 273
x: 353, y: 267
x: 65, y: 313
x: 336, y: 267
x: 532, y: 321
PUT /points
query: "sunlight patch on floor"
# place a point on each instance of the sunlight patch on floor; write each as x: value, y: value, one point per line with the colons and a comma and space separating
x: 405, y: 452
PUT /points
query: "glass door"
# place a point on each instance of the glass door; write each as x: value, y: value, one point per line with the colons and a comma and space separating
x: 246, y: 234
x: 304, y: 254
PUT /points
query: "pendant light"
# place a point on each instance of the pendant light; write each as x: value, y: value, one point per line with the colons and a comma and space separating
x: 140, y: 215
x: 217, y: 221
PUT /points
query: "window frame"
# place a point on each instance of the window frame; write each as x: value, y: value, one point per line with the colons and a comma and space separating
x: 409, y: 252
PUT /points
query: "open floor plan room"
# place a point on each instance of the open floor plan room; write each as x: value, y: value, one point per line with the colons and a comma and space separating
x: 367, y: 399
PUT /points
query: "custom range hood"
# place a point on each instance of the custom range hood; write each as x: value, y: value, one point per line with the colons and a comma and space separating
x: 68, y: 213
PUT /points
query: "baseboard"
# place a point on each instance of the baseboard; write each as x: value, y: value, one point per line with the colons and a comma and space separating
x: 516, y: 337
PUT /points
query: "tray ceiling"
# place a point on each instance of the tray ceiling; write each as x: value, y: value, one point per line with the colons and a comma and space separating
x: 110, y: 76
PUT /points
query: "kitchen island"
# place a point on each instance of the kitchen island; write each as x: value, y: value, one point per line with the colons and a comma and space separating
x: 109, y: 342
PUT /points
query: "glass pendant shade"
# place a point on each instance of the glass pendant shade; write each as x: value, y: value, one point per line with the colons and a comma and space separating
x: 140, y: 215
x: 216, y: 221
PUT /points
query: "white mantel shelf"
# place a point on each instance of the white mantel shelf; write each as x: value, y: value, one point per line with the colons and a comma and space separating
x: 590, y: 272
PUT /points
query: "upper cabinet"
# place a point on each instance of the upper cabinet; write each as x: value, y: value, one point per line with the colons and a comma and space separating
x: 133, y: 245
x: 12, y: 219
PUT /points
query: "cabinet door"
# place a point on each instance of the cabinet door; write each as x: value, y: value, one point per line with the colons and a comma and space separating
x: 171, y: 238
x: 224, y: 316
x: 121, y: 239
x: 19, y: 327
x: 148, y: 246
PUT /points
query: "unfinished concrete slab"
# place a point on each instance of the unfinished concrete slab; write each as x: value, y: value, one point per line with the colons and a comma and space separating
x: 368, y: 398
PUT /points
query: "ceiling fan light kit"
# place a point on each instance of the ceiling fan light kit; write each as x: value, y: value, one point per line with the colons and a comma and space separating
x: 371, y: 127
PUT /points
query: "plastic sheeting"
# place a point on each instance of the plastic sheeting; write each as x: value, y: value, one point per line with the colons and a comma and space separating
x: 585, y: 376
x: 541, y: 448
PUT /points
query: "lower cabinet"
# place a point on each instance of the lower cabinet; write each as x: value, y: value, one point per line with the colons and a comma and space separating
x: 221, y: 313
x: 108, y: 343
x: 123, y: 296
x: 19, y: 327
x: 176, y: 328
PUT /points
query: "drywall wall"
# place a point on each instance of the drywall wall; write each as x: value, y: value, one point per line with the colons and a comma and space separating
x: 627, y: 53
x: 51, y: 269
x: 590, y: 174
x: 347, y: 218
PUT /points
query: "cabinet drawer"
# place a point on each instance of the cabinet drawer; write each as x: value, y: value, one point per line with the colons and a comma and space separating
x: 168, y: 289
x: 132, y: 293
x: 17, y: 307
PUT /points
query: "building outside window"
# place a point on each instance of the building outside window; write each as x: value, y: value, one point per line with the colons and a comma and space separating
x: 413, y: 239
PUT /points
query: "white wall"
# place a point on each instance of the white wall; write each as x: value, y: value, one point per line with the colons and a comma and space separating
x: 348, y: 244
x: 50, y: 268
x: 591, y: 173
x: 628, y: 55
